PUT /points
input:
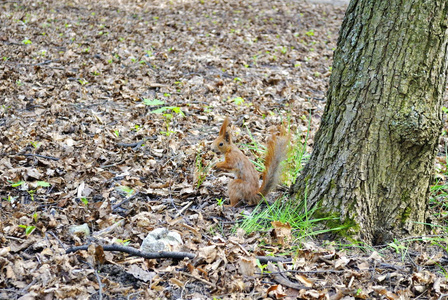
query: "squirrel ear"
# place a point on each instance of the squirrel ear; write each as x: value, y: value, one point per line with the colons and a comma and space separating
x: 223, y: 129
x: 228, y: 137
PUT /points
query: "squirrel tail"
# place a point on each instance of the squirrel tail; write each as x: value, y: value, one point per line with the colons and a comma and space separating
x: 276, y: 153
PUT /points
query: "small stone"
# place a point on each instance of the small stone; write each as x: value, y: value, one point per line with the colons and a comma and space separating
x: 161, y: 239
x: 80, y: 229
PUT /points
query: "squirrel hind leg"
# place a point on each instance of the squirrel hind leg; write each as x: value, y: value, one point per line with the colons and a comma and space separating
x: 237, y: 191
x: 240, y: 190
x: 254, y: 199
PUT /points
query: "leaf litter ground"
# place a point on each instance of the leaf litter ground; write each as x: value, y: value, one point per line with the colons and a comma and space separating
x: 80, y: 144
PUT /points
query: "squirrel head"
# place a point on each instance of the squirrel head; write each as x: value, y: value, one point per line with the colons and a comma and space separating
x: 224, y: 140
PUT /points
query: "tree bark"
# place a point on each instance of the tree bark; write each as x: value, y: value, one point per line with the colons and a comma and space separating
x: 373, y: 156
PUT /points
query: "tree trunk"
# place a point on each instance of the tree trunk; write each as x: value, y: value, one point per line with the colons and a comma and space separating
x: 374, y: 152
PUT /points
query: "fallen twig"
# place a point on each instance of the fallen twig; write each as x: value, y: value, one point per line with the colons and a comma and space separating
x: 183, y: 209
x: 241, y: 247
x: 131, y: 295
x: 135, y: 252
x: 56, y: 238
x: 111, y: 165
x: 100, y: 290
x: 25, y: 289
x: 47, y: 62
x: 108, y: 229
x: 265, y: 259
x: 443, y: 296
x: 310, y: 272
x: 41, y: 156
x: 135, y: 146
x: 124, y: 201
x: 279, y: 278
x: 38, y: 155
x: 198, y: 278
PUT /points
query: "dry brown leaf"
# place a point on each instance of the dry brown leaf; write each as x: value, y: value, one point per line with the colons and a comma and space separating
x: 247, y: 266
x: 382, y: 291
x: 140, y: 274
x: 177, y: 282
x: 363, y: 265
x: 208, y: 253
x: 307, y: 282
x: 10, y: 273
x: 341, y: 263
x: 33, y: 173
x: 4, y: 251
x: 276, y: 291
x: 282, y: 232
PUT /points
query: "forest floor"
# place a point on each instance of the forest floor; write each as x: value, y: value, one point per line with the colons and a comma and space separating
x: 107, y: 113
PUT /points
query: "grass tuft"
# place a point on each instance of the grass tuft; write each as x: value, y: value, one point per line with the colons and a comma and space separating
x: 285, y: 210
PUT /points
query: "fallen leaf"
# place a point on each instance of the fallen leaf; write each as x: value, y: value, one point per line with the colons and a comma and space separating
x: 247, y: 266
x: 140, y: 274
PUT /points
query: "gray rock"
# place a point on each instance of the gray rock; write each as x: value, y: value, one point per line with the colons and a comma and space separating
x: 80, y: 229
x: 161, y: 239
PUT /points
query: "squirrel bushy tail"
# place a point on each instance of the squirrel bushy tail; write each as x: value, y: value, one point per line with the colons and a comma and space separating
x: 276, y: 153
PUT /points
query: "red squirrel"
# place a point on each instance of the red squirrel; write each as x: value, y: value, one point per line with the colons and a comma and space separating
x: 245, y: 187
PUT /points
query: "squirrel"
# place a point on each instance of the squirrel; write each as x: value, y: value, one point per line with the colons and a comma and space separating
x: 246, y: 184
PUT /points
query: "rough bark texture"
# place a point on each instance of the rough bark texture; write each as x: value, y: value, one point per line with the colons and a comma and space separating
x: 373, y: 155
